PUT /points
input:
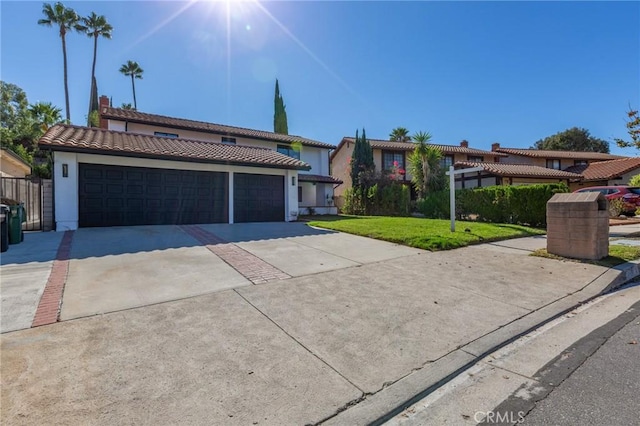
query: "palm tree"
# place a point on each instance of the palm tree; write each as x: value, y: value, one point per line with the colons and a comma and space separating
x: 424, y: 163
x: 133, y: 69
x: 95, y: 26
x: 45, y: 114
x: 65, y: 19
x: 399, y: 134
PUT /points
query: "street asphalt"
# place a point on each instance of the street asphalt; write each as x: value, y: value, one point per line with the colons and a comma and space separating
x: 156, y: 329
x: 605, y: 388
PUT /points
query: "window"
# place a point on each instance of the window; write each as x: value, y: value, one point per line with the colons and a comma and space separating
x: 230, y: 141
x: 580, y: 162
x: 299, y: 194
x: 289, y: 151
x: 166, y: 135
x: 446, y: 161
x: 391, y: 159
x: 475, y: 159
x: 553, y: 164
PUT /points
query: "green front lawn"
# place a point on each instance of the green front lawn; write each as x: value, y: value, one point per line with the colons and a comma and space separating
x: 427, y: 234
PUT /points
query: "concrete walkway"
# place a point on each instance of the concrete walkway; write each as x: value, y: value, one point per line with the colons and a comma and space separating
x: 364, y: 329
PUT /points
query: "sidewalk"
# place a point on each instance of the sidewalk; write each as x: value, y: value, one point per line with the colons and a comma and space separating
x: 349, y: 346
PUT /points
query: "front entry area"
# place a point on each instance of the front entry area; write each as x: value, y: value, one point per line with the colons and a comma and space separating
x: 120, y: 195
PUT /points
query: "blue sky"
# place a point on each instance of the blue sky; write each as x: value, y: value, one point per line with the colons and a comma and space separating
x: 508, y: 72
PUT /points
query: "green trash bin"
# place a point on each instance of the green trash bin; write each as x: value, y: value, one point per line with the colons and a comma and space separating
x: 16, y: 217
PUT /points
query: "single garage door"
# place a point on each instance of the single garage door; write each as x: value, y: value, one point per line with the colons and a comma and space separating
x: 118, y: 195
x: 258, y: 198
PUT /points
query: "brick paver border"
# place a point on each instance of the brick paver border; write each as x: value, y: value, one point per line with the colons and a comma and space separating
x: 48, y: 309
x: 250, y: 266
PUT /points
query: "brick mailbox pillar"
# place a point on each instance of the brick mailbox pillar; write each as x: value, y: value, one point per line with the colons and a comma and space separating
x: 578, y: 225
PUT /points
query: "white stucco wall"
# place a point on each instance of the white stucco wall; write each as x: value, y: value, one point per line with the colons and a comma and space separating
x: 66, y: 188
x: 317, y: 158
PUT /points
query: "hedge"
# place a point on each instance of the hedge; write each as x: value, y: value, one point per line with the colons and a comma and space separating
x: 523, y: 205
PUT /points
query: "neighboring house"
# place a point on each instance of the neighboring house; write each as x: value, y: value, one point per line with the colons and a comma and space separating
x: 559, y: 160
x: 314, y: 190
x: 12, y: 165
x: 389, y: 155
x: 606, y: 173
x: 510, y: 174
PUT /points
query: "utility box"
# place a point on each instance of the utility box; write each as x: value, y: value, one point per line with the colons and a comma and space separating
x: 578, y: 225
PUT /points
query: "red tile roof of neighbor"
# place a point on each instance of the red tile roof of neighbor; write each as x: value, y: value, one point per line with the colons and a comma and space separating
x: 520, y: 170
x: 540, y: 153
x: 133, y: 116
x: 100, y: 141
x: 304, y: 177
x: 409, y: 146
x: 605, y: 170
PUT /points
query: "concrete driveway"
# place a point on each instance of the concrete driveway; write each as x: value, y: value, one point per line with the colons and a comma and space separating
x: 297, y: 326
x: 111, y: 269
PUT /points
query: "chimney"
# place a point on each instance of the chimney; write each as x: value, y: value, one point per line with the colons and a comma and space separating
x: 495, y: 146
x: 104, y: 103
x: 464, y: 143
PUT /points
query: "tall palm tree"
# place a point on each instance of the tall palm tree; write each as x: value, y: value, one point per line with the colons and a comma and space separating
x: 95, y: 26
x: 132, y: 69
x: 66, y: 19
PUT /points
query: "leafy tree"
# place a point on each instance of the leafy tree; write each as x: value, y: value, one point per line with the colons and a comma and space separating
x: 633, y: 128
x: 634, y: 181
x: 574, y: 139
x: 399, y: 134
x: 132, y: 69
x: 280, y: 114
x: 126, y: 106
x: 424, y: 165
x: 95, y: 26
x: 22, y: 125
x: 17, y: 124
x: 361, y: 159
x: 66, y: 19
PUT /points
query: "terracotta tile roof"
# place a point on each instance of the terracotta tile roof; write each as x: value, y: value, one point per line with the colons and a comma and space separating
x: 109, y: 142
x: 201, y: 126
x: 409, y: 146
x: 577, y: 155
x: 605, y: 170
x: 304, y: 177
x: 519, y: 170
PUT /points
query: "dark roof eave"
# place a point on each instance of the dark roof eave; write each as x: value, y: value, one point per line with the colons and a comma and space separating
x: 214, y: 132
x: 167, y: 157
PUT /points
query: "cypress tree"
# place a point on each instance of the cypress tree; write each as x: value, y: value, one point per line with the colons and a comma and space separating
x: 280, y: 114
x: 361, y: 159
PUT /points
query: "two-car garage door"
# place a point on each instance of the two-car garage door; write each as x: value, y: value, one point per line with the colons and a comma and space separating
x: 119, y: 195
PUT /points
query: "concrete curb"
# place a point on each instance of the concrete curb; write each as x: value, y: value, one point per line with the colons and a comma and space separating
x: 392, y: 400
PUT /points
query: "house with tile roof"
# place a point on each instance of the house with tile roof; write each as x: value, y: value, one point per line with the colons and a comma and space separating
x: 140, y: 169
x: 559, y: 160
x: 389, y: 155
x: 605, y: 173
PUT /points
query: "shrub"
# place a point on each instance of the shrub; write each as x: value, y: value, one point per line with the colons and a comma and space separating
x: 634, y: 181
x: 435, y: 205
x: 379, y: 195
x: 616, y: 207
x: 524, y: 205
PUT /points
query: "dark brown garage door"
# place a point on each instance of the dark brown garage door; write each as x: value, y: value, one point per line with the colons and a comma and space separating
x: 258, y: 198
x: 118, y: 195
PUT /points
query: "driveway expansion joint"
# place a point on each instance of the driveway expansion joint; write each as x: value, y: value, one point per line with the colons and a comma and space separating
x: 48, y: 310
